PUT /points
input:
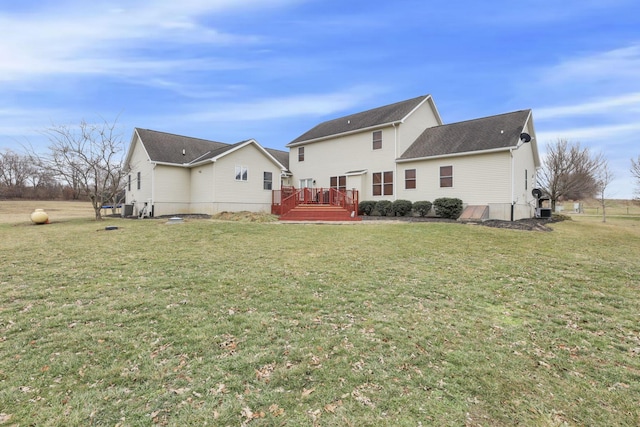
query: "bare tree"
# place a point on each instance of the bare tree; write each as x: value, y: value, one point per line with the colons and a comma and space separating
x: 88, y: 158
x: 569, y: 171
x: 604, y: 177
x: 15, y: 171
x: 635, y: 171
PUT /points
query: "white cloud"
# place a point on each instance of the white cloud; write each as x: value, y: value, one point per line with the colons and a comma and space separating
x: 286, y: 107
x: 606, y: 134
x: 86, y: 37
x: 600, y: 67
x: 604, y: 106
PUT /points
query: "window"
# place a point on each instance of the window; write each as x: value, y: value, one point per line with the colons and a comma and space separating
x: 267, y: 180
x: 526, y: 179
x: 138, y: 180
x: 129, y: 182
x: 377, y: 140
x: 383, y: 183
x: 409, y: 179
x: 446, y: 176
x: 301, y: 154
x: 338, y: 182
x: 241, y: 173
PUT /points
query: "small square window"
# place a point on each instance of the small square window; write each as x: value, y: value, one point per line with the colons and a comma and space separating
x: 242, y: 173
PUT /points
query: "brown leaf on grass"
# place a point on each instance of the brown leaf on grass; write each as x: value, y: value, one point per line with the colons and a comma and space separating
x: 275, y: 410
x: 264, y: 373
x: 359, y: 397
x: 222, y: 389
x: 331, y: 407
x: 5, y: 418
x: 250, y: 415
x: 306, y: 392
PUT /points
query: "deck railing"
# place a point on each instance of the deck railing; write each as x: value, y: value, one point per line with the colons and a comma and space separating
x: 282, y: 201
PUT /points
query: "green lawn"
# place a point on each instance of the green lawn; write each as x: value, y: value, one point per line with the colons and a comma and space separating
x: 268, y: 324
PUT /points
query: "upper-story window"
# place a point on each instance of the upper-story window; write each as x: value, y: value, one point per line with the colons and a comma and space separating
x: 129, y: 182
x: 301, y: 154
x: 377, y: 140
x: 446, y: 176
x: 242, y: 173
x: 139, y: 184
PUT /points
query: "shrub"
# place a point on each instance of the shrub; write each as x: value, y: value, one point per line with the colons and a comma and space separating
x: 366, y: 207
x: 446, y: 207
x: 384, y: 208
x: 422, y: 208
x: 401, y: 207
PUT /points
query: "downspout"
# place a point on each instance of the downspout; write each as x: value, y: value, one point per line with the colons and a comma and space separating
x: 513, y: 196
x: 395, y: 143
x: 153, y: 185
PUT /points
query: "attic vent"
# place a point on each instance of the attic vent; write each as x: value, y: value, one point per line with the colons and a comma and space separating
x: 184, y: 151
x: 348, y: 122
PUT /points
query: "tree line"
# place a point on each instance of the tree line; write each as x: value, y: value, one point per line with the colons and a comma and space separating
x: 81, y: 162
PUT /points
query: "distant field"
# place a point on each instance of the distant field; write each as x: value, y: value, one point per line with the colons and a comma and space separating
x: 268, y: 324
x: 614, y: 207
x: 13, y: 212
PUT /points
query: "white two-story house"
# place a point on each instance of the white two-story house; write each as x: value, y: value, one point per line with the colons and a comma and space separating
x: 404, y: 151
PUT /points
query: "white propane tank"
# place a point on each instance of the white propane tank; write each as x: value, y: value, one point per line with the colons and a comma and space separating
x: 39, y: 216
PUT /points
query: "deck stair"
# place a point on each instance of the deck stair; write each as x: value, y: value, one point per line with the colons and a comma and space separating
x: 319, y: 212
x: 315, y: 204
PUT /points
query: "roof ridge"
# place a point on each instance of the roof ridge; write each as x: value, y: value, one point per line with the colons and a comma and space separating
x: 182, y: 136
x: 378, y: 108
x: 486, y: 117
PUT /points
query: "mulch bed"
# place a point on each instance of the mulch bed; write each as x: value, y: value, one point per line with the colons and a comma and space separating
x: 528, y: 224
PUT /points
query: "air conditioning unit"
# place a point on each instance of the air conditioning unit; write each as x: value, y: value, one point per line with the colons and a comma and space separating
x: 543, y: 213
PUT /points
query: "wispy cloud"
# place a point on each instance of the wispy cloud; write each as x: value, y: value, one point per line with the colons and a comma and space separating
x: 601, y: 67
x: 285, y: 107
x: 607, y: 105
x: 91, y: 37
x: 608, y: 135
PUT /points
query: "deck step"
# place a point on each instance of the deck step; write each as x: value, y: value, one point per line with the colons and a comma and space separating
x: 319, y: 212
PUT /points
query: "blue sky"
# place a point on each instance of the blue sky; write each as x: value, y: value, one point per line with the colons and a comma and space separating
x: 230, y: 70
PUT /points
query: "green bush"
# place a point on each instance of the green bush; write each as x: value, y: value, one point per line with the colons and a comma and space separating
x: 422, y: 207
x: 447, y: 207
x: 366, y: 207
x: 401, y: 207
x: 384, y: 208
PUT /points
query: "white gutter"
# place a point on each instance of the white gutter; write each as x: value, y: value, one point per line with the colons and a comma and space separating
x: 466, y: 153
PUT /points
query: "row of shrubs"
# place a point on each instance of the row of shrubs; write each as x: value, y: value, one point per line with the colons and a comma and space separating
x: 444, y: 207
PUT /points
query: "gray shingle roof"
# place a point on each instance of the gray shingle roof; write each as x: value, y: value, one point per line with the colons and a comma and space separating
x: 487, y: 133
x: 366, y: 119
x: 167, y: 148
